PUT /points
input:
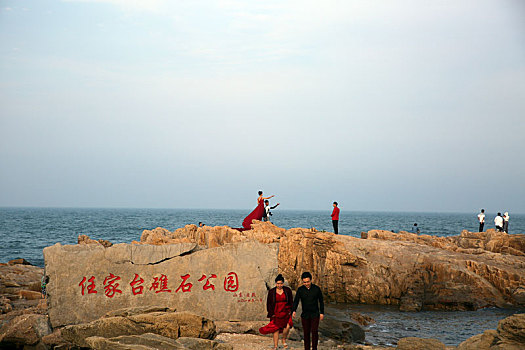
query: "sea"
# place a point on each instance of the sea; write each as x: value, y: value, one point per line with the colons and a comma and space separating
x: 25, y: 232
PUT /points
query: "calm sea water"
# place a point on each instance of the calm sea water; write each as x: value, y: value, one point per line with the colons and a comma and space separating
x: 24, y: 232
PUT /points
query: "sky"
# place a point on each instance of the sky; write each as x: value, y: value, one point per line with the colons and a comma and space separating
x: 379, y: 105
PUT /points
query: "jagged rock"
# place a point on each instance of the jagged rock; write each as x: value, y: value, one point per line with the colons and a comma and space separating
x: 171, y: 324
x: 211, y: 237
x: 416, y: 272
x: 224, y: 283
x: 24, y: 330
x: 413, y: 343
x: 512, y: 328
x: 84, y: 239
x: 510, y: 335
x: 402, y: 269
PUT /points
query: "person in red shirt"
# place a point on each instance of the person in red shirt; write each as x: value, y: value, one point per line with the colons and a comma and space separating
x: 335, y: 218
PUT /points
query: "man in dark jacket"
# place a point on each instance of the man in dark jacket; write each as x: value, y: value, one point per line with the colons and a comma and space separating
x: 312, y: 303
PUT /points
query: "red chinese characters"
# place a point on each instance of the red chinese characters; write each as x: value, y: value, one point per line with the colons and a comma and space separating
x: 231, y: 282
x: 110, y: 285
x: 90, y: 286
x: 208, y: 285
x: 136, y: 285
x: 160, y: 284
x: 186, y: 287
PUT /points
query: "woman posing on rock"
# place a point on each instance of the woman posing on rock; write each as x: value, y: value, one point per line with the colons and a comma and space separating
x: 279, y: 306
x: 257, y: 213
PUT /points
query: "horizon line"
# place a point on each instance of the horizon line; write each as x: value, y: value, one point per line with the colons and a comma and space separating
x: 287, y: 209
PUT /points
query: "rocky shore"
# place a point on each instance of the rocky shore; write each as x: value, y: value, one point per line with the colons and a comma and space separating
x: 415, y: 272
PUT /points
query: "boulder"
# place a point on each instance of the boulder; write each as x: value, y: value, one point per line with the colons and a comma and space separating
x: 512, y: 328
x: 168, y: 324
x: 228, y: 282
x: 482, y: 341
x: 347, y: 332
x: 25, y: 329
x: 510, y: 335
x: 413, y: 343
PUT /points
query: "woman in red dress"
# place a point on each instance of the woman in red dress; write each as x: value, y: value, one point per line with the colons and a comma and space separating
x: 257, y: 213
x: 279, y: 305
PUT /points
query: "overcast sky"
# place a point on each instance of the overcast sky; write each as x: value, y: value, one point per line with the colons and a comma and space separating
x: 380, y: 105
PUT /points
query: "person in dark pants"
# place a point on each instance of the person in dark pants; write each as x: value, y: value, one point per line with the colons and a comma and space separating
x: 312, y: 303
x: 481, y: 219
x: 335, y: 218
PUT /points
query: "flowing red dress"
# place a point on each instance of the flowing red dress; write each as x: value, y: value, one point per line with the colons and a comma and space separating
x: 281, y: 316
x: 256, y: 214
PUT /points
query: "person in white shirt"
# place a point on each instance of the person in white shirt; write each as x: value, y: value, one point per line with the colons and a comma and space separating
x: 498, y: 221
x: 506, y: 222
x: 481, y: 219
x: 267, y: 213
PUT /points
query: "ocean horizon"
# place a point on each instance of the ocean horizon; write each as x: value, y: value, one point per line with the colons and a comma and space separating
x: 25, y: 231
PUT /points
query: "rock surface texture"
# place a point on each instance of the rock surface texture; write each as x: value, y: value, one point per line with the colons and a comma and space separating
x: 416, y: 272
x: 228, y: 282
x: 19, y: 285
x: 167, y: 324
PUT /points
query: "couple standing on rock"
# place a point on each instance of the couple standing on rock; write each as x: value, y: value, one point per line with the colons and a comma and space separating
x: 281, y: 309
x: 261, y: 211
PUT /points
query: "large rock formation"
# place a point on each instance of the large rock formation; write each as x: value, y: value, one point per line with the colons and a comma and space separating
x: 211, y: 237
x: 465, y: 272
x: 223, y: 283
x: 403, y: 269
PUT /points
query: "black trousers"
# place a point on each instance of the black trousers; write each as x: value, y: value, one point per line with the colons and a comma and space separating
x: 310, y: 325
x: 336, y: 226
x: 481, y: 224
